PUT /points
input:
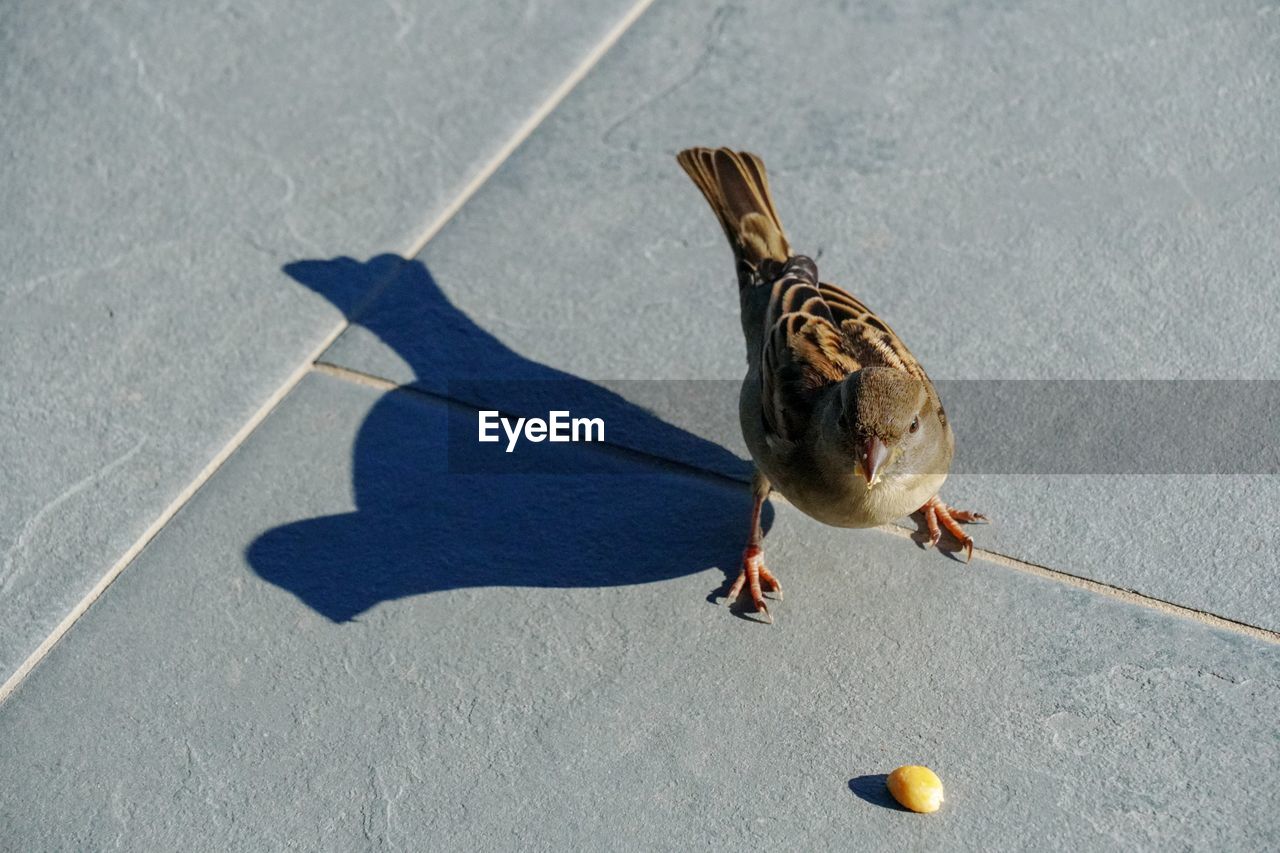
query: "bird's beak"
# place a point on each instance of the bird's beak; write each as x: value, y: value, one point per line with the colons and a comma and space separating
x: 874, y: 454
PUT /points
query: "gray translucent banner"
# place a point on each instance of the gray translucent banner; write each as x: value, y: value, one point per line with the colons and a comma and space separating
x: 1001, y: 426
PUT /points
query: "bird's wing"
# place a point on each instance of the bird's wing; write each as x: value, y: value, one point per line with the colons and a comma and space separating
x: 804, y: 350
x: 817, y: 334
x: 869, y: 337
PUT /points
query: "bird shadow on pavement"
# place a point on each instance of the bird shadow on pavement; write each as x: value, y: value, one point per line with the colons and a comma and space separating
x: 438, y: 510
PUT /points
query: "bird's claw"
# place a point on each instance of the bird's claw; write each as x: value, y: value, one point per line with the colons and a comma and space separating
x: 757, y: 579
x: 968, y: 517
x: 938, y: 515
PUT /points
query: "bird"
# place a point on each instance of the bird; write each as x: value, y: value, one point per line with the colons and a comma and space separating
x: 838, y: 415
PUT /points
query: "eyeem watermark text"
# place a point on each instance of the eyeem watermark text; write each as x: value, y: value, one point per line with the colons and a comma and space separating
x: 559, y: 426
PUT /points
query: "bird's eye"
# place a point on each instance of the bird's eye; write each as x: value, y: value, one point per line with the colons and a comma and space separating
x: 915, y: 423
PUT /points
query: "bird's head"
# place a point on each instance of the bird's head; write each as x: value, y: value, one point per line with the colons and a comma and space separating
x: 890, y: 424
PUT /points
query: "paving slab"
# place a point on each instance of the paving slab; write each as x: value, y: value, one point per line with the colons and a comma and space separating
x: 340, y: 643
x: 1040, y: 191
x: 158, y: 168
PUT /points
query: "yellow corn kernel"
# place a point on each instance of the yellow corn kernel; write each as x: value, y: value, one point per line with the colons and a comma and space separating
x: 916, y: 788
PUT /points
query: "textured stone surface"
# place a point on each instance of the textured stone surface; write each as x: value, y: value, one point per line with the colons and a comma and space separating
x: 158, y: 167
x: 1199, y: 541
x: 338, y: 645
x: 1022, y: 191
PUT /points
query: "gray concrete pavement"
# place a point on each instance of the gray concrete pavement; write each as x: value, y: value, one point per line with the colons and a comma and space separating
x: 366, y: 630
x: 1038, y: 192
x: 534, y: 665
x: 158, y: 167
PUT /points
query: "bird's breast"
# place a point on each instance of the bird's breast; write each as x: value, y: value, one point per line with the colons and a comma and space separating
x: 849, y: 503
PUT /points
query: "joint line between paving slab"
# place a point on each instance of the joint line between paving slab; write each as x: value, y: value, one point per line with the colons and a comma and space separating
x: 523, y: 132
x: 1126, y: 595
x: 531, y: 124
x: 368, y: 379
x: 83, y: 605
x: 1098, y: 588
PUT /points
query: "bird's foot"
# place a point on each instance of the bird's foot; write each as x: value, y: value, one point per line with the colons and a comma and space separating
x: 757, y: 579
x: 936, y: 512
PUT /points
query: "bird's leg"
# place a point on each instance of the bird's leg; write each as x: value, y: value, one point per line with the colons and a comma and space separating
x: 936, y: 511
x: 754, y: 576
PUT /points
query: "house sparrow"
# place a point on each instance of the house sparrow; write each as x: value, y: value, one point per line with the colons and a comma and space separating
x: 838, y: 415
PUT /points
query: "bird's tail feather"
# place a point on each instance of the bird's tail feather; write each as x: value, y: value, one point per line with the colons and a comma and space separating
x: 736, y: 187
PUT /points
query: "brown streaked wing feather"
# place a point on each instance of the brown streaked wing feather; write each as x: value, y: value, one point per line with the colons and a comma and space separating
x: 819, y: 334
x: 804, y: 351
x: 870, y: 338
